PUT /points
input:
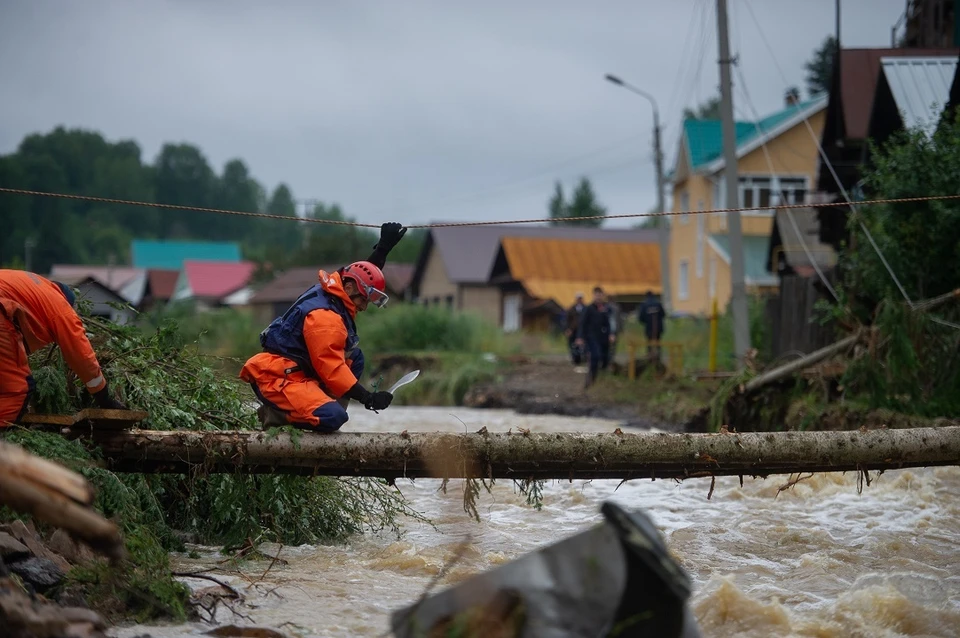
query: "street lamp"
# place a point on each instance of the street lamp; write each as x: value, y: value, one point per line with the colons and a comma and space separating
x: 662, y: 226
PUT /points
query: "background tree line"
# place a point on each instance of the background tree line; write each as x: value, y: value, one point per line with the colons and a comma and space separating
x: 81, y: 162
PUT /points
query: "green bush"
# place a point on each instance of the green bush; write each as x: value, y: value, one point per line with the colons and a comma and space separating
x: 223, y: 332
x: 912, y: 362
x: 414, y: 327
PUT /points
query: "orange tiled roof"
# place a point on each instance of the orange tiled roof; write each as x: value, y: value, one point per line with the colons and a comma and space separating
x: 559, y: 268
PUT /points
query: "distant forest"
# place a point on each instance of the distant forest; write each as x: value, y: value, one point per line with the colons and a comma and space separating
x: 82, y: 162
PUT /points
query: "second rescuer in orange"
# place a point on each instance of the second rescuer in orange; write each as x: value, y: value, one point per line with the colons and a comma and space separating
x: 35, y: 312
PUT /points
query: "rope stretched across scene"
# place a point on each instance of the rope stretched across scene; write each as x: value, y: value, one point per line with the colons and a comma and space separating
x: 337, y: 222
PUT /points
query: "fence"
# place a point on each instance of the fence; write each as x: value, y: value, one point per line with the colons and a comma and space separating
x: 793, y: 319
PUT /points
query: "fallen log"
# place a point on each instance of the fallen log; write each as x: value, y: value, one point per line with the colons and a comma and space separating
x: 803, y: 362
x: 614, y: 455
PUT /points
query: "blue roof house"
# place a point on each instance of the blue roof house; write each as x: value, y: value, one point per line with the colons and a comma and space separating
x: 777, y: 161
x: 170, y: 255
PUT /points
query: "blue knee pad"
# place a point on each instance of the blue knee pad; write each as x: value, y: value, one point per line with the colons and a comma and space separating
x: 331, y: 415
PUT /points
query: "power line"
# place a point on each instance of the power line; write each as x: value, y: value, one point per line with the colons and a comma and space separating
x: 336, y: 222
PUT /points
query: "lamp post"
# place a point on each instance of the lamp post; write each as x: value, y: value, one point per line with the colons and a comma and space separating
x: 663, y: 230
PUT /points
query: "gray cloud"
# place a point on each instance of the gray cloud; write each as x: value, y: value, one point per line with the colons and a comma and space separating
x: 412, y: 110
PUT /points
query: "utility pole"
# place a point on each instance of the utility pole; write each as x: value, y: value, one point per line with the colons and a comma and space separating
x: 738, y: 302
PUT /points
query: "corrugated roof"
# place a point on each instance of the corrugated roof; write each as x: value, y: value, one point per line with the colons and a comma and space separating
x: 920, y: 87
x: 859, y: 70
x: 559, y: 268
x: 216, y: 279
x: 148, y: 253
x: 704, y: 138
x: 468, y: 252
x: 755, y: 251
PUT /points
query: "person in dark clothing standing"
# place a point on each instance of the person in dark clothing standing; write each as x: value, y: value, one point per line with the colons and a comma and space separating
x: 653, y: 317
x: 594, y: 331
x: 574, y: 316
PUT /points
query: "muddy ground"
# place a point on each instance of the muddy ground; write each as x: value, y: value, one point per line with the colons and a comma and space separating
x: 556, y: 386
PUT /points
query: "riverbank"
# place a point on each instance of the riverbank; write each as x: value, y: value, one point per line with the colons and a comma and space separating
x: 543, y: 384
x: 551, y: 385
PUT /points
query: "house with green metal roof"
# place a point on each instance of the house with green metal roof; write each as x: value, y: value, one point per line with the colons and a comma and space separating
x: 777, y: 162
x: 170, y: 255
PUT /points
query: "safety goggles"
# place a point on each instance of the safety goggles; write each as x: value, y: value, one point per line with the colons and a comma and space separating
x: 377, y: 297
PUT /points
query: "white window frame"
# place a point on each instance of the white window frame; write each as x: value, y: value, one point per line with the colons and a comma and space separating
x: 755, y: 183
x: 684, y: 207
x: 683, y: 280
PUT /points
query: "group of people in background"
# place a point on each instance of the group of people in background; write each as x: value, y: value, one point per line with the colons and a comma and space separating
x: 593, y: 330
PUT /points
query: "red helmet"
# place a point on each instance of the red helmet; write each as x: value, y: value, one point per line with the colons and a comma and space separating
x: 369, y: 280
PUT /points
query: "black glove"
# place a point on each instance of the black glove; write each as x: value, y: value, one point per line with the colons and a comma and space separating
x: 370, y: 400
x: 390, y: 235
x: 379, y: 401
x: 104, y: 400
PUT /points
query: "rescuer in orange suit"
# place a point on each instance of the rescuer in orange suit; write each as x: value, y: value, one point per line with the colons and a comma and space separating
x: 35, y: 312
x: 311, y: 362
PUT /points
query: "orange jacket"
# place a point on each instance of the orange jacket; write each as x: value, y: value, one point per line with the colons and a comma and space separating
x: 43, y: 316
x: 326, y: 335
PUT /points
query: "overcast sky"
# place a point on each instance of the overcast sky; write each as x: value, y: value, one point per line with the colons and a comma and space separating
x: 403, y: 109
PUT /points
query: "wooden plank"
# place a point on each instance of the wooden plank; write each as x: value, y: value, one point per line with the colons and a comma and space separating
x: 99, y: 419
x: 94, y: 418
x: 32, y: 418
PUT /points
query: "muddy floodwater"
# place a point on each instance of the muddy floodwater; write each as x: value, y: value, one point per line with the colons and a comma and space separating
x: 816, y: 560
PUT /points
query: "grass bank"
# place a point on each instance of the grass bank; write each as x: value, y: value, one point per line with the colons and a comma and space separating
x: 693, y: 335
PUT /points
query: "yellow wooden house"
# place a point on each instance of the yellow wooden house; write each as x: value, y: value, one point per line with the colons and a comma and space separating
x: 785, y: 171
